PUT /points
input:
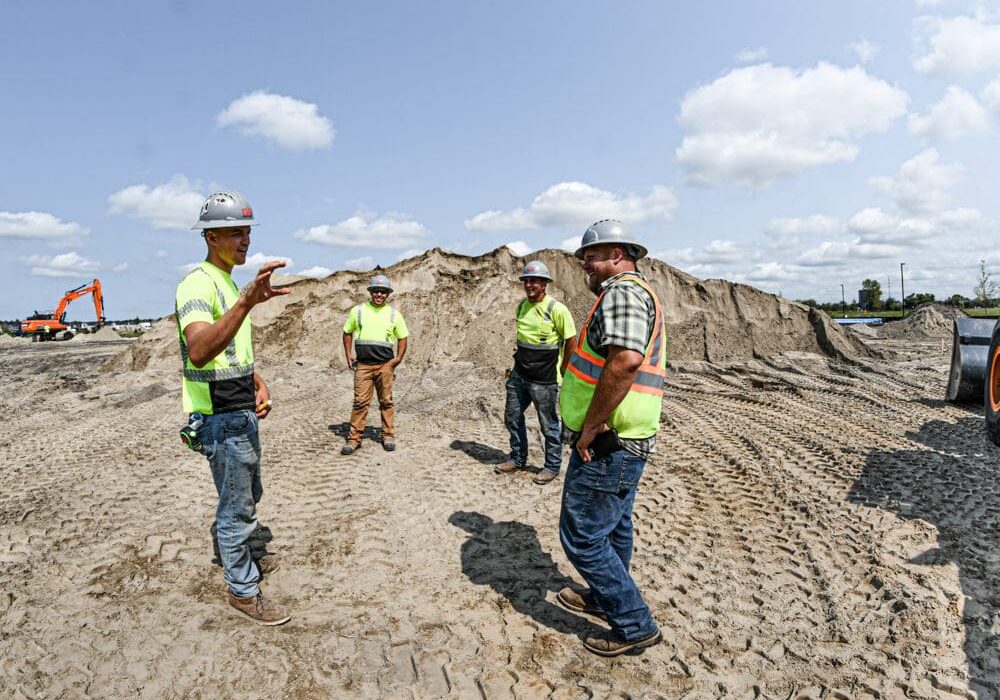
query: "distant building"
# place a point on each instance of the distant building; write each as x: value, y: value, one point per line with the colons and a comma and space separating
x: 865, y: 299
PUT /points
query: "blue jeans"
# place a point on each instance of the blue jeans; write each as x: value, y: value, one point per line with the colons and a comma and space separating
x: 232, y: 446
x: 595, y: 527
x: 520, y: 394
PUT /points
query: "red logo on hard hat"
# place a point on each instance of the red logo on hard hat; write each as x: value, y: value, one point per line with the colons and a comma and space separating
x: 247, y: 212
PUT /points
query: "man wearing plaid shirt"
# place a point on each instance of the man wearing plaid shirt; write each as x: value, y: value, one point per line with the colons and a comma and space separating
x: 610, y: 405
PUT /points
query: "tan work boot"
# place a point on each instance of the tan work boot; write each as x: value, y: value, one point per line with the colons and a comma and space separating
x: 350, y: 448
x: 261, y: 609
x: 579, y: 602
x: 545, y: 476
x: 267, y: 564
x: 506, y: 467
x: 607, y: 644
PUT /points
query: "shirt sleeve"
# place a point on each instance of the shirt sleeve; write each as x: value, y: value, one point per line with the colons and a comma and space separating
x: 562, y: 320
x: 351, y: 324
x: 195, y: 298
x: 627, y: 315
x: 400, y: 330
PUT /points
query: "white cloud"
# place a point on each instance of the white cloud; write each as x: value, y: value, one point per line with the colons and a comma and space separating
x: 291, y: 124
x: 366, y: 229
x: 363, y: 263
x: 571, y: 244
x: 316, y: 271
x: 63, y: 265
x: 569, y: 204
x: 864, y: 50
x: 258, y: 259
x: 958, y: 114
x: 922, y: 184
x: 520, y: 248
x: 38, y: 225
x: 749, y: 55
x: 173, y: 205
x: 121, y: 267
x: 991, y: 96
x: 759, y: 123
x: 815, y: 225
x: 958, y: 46
x: 773, y: 272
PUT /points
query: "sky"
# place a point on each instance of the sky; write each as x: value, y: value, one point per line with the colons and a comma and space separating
x: 792, y: 146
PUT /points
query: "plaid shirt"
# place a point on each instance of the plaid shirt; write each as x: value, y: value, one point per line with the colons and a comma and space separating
x: 624, y: 319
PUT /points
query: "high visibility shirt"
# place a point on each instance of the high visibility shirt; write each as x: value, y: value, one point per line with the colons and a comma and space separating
x: 542, y: 327
x: 225, y: 383
x: 375, y: 330
x: 638, y: 415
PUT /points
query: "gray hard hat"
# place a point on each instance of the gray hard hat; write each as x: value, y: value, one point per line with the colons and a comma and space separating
x: 224, y: 209
x: 380, y: 282
x: 536, y: 268
x: 610, y: 231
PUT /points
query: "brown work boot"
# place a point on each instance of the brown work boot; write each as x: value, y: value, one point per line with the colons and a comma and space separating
x: 506, y: 467
x: 544, y: 476
x: 607, y: 644
x: 261, y: 609
x: 350, y: 448
x: 268, y: 564
x: 580, y: 602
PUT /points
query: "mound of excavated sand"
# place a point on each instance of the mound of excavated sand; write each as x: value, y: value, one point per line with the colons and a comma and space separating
x: 6, y: 339
x: 104, y: 333
x: 926, y: 321
x: 460, y: 311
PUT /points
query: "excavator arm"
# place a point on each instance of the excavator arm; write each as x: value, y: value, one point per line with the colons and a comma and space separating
x: 81, y: 291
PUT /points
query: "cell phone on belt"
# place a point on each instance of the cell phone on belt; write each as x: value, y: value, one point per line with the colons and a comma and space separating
x: 604, y: 444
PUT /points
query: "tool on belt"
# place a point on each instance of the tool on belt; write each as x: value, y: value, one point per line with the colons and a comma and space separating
x: 189, y: 433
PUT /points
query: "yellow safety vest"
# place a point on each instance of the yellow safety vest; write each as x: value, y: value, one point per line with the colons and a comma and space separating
x: 638, y: 415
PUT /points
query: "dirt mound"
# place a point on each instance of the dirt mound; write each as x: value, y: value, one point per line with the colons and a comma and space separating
x: 105, y: 333
x: 460, y: 310
x: 926, y: 321
x: 7, y: 339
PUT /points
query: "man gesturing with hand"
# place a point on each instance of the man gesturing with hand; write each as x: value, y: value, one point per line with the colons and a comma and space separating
x: 222, y: 393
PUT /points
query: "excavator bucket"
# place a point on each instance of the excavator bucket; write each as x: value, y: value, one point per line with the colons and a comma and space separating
x: 970, y: 349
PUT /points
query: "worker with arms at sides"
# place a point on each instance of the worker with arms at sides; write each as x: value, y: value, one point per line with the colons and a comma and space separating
x: 546, y: 337
x: 377, y: 333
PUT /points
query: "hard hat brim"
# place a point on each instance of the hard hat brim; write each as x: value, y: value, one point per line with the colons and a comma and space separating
x: 639, y: 249
x: 223, y: 223
x: 541, y: 277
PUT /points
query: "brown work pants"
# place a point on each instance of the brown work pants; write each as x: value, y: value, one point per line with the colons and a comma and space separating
x: 367, y: 378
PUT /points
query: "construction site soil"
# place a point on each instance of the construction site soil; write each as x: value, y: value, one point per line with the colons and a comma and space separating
x: 817, y: 521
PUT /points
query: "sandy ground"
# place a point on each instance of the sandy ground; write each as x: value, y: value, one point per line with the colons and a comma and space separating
x: 812, y: 527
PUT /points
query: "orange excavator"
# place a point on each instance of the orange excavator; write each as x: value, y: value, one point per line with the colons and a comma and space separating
x: 50, y: 326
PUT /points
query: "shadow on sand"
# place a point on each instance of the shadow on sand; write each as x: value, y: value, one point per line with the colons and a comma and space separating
x: 508, y: 558
x: 484, y: 454
x: 344, y: 429
x: 953, y: 486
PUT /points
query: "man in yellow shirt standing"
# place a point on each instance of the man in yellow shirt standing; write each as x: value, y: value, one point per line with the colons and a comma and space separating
x: 371, y: 331
x: 224, y: 396
x: 544, y: 331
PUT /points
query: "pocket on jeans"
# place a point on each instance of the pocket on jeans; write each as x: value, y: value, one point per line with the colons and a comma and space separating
x: 238, y: 422
x: 601, y: 475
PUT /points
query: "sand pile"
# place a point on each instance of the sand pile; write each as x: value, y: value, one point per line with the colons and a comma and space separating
x: 105, y: 333
x: 7, y: 339
x: 460, y: 313
x: 926, y: 321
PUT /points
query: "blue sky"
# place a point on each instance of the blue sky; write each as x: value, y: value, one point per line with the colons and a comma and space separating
x: 792, y: 146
